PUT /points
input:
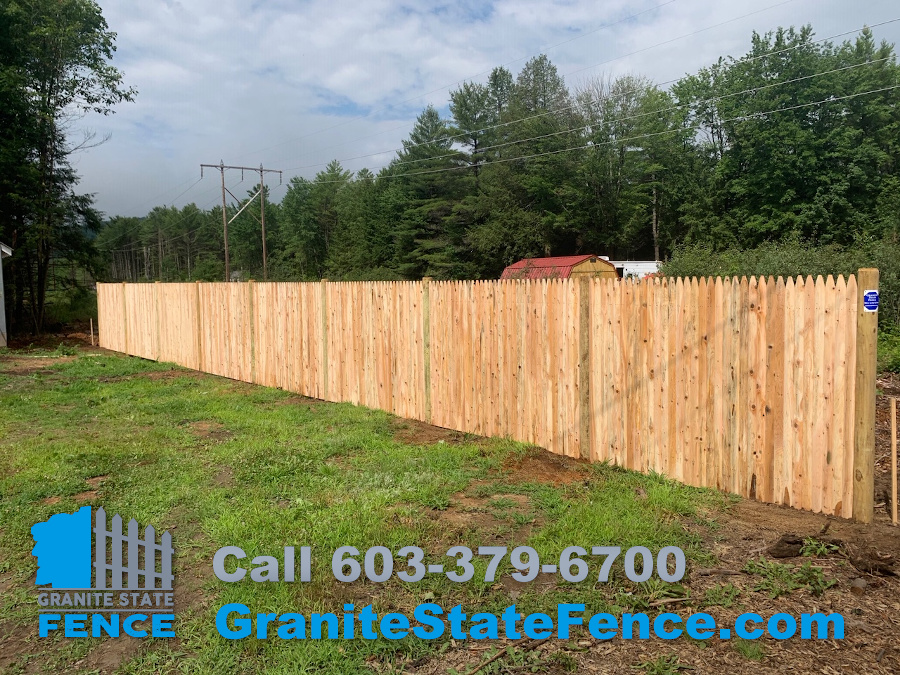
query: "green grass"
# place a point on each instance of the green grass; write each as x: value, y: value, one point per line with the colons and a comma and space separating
x: 223, y: 463
x: 749, y: 649
x: 723, y: 595
x: 663, y: 665
x: 777, y: 579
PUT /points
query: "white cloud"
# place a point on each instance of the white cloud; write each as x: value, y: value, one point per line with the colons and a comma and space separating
x: 280, y: 82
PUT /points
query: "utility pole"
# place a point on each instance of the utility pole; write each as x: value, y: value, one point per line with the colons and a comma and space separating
x: 159, y: 240
x: 262, y: 218
x: 221, y: 166
x: 224, y: 220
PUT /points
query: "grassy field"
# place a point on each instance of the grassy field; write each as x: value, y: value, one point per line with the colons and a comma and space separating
x: 223, y: 463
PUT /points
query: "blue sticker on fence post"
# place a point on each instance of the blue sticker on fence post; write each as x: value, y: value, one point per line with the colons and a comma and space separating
x: 870, y: 301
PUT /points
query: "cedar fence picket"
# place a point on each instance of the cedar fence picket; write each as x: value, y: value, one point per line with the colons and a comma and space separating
x: 745, y: 385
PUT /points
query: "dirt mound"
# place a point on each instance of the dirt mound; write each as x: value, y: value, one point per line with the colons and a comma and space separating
x: 541, y: 466
x: 413, y: 432
x: 208, y: 430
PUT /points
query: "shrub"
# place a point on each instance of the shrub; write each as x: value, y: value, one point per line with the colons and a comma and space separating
x: 793, y: 258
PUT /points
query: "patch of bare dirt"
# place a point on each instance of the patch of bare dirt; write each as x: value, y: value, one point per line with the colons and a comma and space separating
x: 88, y: 495
x: 413, y: 432
x: 747, y: 531
x: 25, y: 366
x: 299, y: 400
x: 109, y: 655
x: 96, y: 481
x: 76, y: 335
x: 764, y: 522
x: 213, y: 431
x: 224, y: 478
x: 478, y: 520
x: 153, y: 375
x: 541, y: 466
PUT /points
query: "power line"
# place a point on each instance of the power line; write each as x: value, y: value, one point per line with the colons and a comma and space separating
x: 590, y: 145
x: 555, y: 111
x: 548, y: 48
x: 143, y: 218
x: 172, y: 189
x: 262, y: 207
x: 613, y: 120
x: 633, y: 138
x: 654, y: 46
x: 434, y: 91
x: 176, y: 237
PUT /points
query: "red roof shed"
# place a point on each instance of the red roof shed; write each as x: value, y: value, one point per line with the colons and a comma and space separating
x: 561, y: 267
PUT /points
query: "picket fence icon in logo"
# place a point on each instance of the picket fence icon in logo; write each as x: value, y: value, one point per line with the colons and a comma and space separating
x: 132, y: 575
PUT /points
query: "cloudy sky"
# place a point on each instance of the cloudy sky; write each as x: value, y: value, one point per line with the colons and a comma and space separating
x: 293, y: 84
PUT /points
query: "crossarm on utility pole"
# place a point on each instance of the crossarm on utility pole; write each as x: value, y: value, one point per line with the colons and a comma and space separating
x: 249, y: 201
x: 221, y: 166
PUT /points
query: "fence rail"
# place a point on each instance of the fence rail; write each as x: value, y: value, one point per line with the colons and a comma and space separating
x: 746, y: 385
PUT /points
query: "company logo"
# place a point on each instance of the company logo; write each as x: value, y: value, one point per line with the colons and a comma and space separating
x: 131, y: 574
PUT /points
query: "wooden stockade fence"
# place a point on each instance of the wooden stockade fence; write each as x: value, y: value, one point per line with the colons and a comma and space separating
x: 755, y: 386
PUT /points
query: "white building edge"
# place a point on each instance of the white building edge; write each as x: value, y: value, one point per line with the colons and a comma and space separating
x: 5, y: 252
x: 634, y: 268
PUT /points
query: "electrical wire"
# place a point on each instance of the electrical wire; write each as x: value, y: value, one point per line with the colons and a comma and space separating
x: 740, y: 118
x: 183, y: 218
x: 555, y: 111
x: 659, y: 44
x: 614, y: 120
x: 434, y: 91
x: 750, y: 116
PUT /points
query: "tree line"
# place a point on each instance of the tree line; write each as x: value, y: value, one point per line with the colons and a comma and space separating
x: 797, y: 140
x: 55, y: 67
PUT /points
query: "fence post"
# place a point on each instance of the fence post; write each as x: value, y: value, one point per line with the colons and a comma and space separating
x: 199, y: 330
x: 124, y: 319
x: 426, y: 340
x: 584, y: 367
x: 324, y: 339
x: 864, y: 415
x: 158, y: 329
x: 252, y: 322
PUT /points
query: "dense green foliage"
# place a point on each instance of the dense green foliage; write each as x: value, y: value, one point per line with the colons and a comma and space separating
x: 54, y: 68
x: 740, y: 154
x: 792, y: 259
